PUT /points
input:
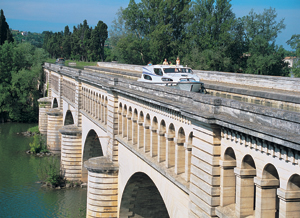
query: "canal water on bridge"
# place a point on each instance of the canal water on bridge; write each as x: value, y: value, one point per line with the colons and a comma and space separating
x: 20, y: 195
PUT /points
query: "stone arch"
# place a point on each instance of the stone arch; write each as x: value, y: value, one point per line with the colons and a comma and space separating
x: 124, y: 121
x: 147, y: 133
x: 106, y: 110
x: 154, y: 137
x: 92, y: 148
x: 248, y: 162
x: 190, y: 138
x: 129, y: 124
x: 188, y: 156
x: 141, y: 130
x: 294, y: 183
x: 170, y: 146
x: 245, y: 187
x: 97, y: 106
x: 55, y: 103
x: 289, y: 198
x: 228, y: 180
x: 69, y: 118
x: 102, y: 109
x: 267, y: 200
x: 141, y: 198
x: 180, y: 152
x: 120, y: 118
x: 161, y: 156
x: 135, y: 127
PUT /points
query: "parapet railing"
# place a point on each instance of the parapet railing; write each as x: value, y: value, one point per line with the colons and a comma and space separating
x: 267, y: 123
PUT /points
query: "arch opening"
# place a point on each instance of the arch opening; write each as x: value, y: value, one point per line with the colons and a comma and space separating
x: 92, y: 148
x: 69, y: 118
x: 228, y: 180
x: 55, y: 103
x: 141, y: 198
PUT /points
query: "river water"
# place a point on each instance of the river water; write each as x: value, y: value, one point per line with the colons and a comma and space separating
x: 20, y: 195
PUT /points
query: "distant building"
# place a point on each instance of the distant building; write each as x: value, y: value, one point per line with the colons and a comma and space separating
x: 290, y: 61
x: 24, y: 33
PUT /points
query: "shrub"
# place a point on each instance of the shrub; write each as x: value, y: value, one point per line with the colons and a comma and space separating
x: 34, y: 130
x: 38, y: 145
x: 49, y: 170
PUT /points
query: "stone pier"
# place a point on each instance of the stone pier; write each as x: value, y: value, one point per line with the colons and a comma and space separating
x: 44, y: 107
x: 55, y: 122
x: 102, y: 196
x: 71, y: 157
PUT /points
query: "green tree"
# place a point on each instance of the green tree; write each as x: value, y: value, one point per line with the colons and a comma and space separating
x: 211, y: 33
x: 153, y: 29
x: 5, y: 33
x: 98, y: 38
x: 20, y: 74
x: 66, y: 43
x: 261, y: 31
x: 6, y: 70
x: 294, y: 42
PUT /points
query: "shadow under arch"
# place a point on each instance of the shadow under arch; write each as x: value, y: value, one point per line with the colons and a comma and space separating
x: 270, y: 194
x: 69, y: 118
x: 141, y: 198
x: 55, y: 103
x: 92, y: 148
x: 294, y: 183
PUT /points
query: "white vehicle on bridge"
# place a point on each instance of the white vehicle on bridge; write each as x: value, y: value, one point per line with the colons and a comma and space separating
x: 175, y: 76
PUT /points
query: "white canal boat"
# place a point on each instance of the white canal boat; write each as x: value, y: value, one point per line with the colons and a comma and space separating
x: 178, y: 77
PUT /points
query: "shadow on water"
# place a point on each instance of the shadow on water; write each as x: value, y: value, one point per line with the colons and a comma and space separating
x: 20, y: 195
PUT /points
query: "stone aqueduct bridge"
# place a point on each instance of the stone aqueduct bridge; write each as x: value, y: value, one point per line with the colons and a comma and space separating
x: 151, y: 151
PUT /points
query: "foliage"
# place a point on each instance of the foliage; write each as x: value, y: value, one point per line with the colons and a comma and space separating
x: 150, y: 31
x: 261, y: 31
x: 35, y: 39
x: 49, y: 170
x: 38, y: 145
x: 34, y: 130
x: 83, y: 44
x: 294, y: 42
x: 5, y: 34
x: 20, y: 80
x: 205, y: 34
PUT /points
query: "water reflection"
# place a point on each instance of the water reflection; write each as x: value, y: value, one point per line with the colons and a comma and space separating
x: 20, y: 195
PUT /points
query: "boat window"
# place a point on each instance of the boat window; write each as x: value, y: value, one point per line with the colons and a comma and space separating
x: 187, y: 80
x: 166, y: 79
x: 147, y: 77
x: 178, y: 70
x: 158, y: 71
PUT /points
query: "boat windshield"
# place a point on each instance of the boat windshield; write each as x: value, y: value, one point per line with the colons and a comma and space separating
x: 177, y: 70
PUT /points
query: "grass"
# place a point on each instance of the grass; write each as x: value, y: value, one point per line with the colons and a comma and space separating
x: 79, y: 64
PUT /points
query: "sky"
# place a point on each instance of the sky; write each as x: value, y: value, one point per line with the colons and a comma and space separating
x: 53, y: 15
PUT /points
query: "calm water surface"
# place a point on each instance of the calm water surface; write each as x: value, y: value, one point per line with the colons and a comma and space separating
x: 20, y: 195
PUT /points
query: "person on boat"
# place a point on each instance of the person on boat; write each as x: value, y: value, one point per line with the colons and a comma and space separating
x: 149, y: 64
x: 170, y: 63
x: 165, y: 62
x: 177, y: 61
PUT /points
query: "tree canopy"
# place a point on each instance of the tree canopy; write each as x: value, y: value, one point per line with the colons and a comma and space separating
x: 83, y: 44
x: 20, y: 81
x: 5, y: 33
x: 294, y: 42
x: 205, y: 34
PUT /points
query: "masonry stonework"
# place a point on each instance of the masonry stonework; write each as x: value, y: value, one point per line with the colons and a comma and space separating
x: 151, y: 151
